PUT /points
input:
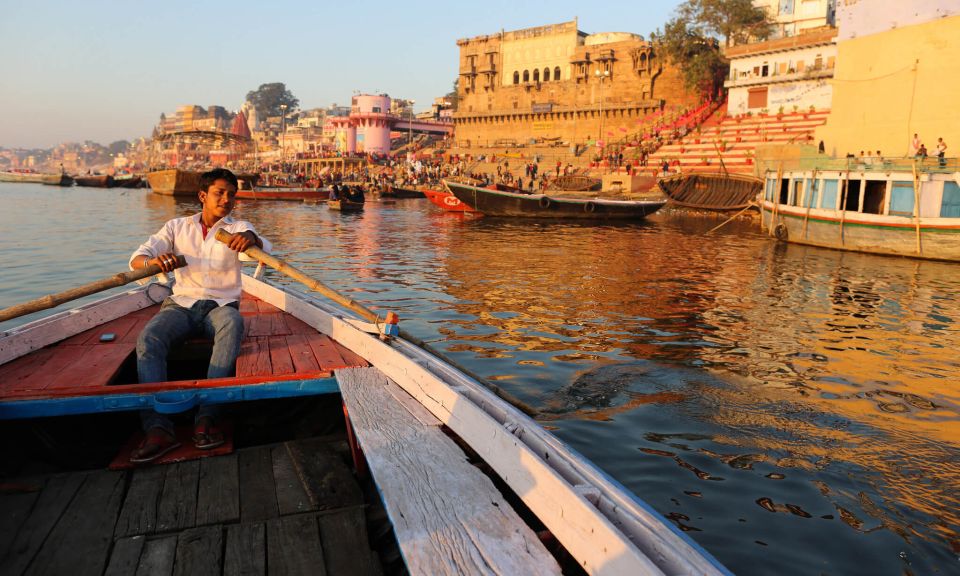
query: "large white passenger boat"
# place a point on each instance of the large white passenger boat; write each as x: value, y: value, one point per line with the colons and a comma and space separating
x: 898, y: 208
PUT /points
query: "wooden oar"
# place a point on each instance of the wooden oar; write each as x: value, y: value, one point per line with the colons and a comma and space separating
x: 314, y: 284
x: 52, y: 300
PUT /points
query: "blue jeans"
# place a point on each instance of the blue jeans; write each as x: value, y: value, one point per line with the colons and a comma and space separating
x: 172, y: 324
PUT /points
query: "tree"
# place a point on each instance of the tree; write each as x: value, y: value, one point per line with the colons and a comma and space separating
x: 452, y: 96
x: 691, y: 39
x: 268, y: 98
x: 118, y: 147
x: 733, y: 21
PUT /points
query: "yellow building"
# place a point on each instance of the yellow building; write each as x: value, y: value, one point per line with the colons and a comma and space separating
x: 897, y: 75
x: 557, y: 83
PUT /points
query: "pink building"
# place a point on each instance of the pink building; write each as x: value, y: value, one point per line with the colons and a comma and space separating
x: 367, y: 129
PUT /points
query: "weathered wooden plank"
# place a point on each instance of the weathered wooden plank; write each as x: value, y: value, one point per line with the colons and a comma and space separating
x: 17, y: 375
x: 291, y: 496
x: 55, y: 367
x: 119, y: 328
x: 278, y: 324
x: 346, y: 550
x: 350, y: 357
x: 327, y: 480
x: 178, y: 500
x: 298, y: 326
x: 301, y: 354
x: 125, y: 556
x: 280, y: 360
x: 258, y: 492
x: 410, y: 403
x: 254, y: 358
x: 448, y: 517
x: 293, y: 546
x: 50, y: 505
x: 139, y: 512
x: 246, y: 552
x: 326, y: 353
x: 80, y: 542
x: 218, y: 496
x: 15, y: 506
x: 199, y: 552
x: 96, y: 366
x: 258, y: 326
x: 157, y: 557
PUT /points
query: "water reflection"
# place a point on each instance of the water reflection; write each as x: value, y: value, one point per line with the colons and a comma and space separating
x: 794, y: 408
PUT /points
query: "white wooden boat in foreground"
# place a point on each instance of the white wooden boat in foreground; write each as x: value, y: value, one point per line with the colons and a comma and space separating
x: 444, y: 522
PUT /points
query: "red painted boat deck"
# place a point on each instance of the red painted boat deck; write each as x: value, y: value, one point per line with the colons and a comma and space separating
x: 276, y: 347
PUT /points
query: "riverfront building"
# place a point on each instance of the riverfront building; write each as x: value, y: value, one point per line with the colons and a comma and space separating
x: 555, y: 82
x: 897, y: 75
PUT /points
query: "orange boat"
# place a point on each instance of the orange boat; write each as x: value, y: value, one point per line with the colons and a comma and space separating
x: 446, y: 201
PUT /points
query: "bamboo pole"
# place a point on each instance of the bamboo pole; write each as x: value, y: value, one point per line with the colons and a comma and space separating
x: 53, y: 300
x: 284, y: 268
x: 776, y: 201
x: 806, y: 217
x: 298, y: 275
x: 730, y: 219
x: 843, y: 203
x: 916, y: 205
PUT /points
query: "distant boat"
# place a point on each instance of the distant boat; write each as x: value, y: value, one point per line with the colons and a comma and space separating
x: 400, y: 192
x: 715, y: 192
x: 498, y: 202
x: 343, y: 205
x: 446, y: 200
x: 37, y: 178
x: 129, y: 181
x: 97, y: 181
x: 174, y: 182
x: 891, y: 209
x: 575, y: 182
x: 296, y: 194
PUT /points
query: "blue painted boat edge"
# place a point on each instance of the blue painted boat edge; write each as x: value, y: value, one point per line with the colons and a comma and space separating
x: 647, y: 507
x: 168, y: 401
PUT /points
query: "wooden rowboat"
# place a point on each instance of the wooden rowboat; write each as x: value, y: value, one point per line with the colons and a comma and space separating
x: 714, y: 192
x: 37, y: 178
x: 446, y: 514
x: 496, y: 202
x: 98, y: 181
x: 344, y: 205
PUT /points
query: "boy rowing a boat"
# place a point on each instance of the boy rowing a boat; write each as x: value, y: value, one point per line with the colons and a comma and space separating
x: 205, y: 302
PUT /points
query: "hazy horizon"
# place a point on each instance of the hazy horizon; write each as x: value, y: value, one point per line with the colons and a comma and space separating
x: 105, y: 70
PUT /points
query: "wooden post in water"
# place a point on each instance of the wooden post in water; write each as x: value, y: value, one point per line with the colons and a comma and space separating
x: 53, y: 300
x: 843, y: 201
x: 809, y: 206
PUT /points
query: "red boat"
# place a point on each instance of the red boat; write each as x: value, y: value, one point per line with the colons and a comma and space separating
x: 447, y: 201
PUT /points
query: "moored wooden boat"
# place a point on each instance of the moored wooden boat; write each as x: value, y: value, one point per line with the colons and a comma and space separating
x: 575, y: 183
x: 37, y: 178
x: 402, y: 192
x: 495, y: 202
x: 901, y: 211
x: 284, y: 193
x: 95, y: 181
x: 344, y: 205
x: 447, y: 516
x: 174, y: 182
x: 714, y: 192
x: 128, y: 181
x: 446, y: 200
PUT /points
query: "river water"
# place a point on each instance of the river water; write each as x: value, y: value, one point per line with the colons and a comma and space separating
x: 795, y: 410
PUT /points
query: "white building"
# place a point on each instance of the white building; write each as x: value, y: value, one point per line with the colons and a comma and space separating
x: 793, y: 17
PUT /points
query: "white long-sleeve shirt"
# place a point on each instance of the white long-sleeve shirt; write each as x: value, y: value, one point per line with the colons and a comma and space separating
x: 213, y: 269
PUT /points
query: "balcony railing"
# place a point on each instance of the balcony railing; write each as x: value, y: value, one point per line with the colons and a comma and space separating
x: 752, y: 80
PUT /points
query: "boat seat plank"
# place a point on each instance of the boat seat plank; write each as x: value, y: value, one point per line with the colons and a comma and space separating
x: 81, y: 540
x: 178, y: 500
x: 258, y: 492
x: 340, y: 532
x: 246, y: 550
x: 295, y: 547
x: 326, y: 352
x: 302, y: 354
x: 218, y: 494
x: 23, y: 545
x: 16, y: 503
x: 448, y: 517
x: 199, y: 552
x: 280, y: 360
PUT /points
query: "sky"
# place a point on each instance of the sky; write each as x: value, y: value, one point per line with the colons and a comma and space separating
x: 104, y: 70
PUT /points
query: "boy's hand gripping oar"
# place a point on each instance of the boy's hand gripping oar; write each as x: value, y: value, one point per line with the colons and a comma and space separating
x: 388, y: 325
x: 51, y: 300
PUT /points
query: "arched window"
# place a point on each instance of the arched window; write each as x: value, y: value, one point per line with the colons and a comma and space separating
x: 516, y: 77
x: 546, y: 74
x: 526, y: 75
x: 536, y: 75
x: 556, y: 73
